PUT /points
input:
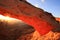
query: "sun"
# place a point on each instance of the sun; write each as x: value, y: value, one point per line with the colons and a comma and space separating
x: 8, y: 19
x: 5, y: 17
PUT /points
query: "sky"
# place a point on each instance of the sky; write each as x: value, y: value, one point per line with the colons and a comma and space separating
x: 52, y: 6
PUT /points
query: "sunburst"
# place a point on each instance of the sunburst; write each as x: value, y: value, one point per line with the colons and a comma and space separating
x: 6, y: 17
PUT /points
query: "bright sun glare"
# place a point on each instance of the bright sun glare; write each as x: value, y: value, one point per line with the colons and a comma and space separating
x: 9, y: 19
x: 6, y: 17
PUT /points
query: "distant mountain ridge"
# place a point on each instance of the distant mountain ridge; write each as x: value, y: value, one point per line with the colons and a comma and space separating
x: 58, y: 19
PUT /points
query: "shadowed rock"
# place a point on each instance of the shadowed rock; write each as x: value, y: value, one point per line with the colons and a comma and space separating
x: 13, y: 31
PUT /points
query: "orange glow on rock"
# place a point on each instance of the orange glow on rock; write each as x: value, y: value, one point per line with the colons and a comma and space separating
x: 40, y: 25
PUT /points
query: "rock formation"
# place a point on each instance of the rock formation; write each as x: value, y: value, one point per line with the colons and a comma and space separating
x: 43, y: 22
x: 36, y: 36
x: 21, y: 31
x: 36, y: 17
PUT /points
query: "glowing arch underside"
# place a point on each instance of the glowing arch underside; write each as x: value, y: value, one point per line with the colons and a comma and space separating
x: 41, y: 26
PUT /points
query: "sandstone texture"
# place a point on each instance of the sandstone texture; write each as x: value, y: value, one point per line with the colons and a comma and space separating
x: 52, y: 35
x: 36, y: 24
x: 18, y: 30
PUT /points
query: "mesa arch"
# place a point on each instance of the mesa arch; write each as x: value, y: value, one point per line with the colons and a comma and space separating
x: 41, y: 20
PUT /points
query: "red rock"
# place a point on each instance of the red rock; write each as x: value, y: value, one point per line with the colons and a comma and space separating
x: 42, y: 21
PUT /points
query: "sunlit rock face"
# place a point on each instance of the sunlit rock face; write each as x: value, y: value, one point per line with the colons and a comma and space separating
x: 52, y: 35
x: 35, y: 36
